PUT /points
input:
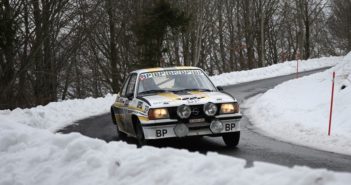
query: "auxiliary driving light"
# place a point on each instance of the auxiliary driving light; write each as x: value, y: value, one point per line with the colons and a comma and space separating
x: 181, y: 130
x: 216, y: 126
x: 210, y: 109
x: 184, y: 111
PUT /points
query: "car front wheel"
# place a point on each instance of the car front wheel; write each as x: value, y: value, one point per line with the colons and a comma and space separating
x: 231, y: 139
x: 140, y: 139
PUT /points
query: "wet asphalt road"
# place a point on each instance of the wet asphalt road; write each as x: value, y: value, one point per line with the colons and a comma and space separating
x: 253, y: 146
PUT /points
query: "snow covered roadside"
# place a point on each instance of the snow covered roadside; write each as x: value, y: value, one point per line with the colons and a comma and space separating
x: 57, y: 115
x: 297, y: 111
x: 273, y: 70
x: 37, y: 156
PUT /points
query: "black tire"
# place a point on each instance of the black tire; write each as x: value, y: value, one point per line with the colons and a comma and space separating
x: 121, y: 135
x: 231, y: 139
x: 140, y: 139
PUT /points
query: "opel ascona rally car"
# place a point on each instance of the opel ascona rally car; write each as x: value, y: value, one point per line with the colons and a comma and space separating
x: 178, y: 102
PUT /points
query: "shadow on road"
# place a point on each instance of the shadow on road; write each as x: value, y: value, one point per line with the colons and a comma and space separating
x: 101, y: 127
x: 194, y: 144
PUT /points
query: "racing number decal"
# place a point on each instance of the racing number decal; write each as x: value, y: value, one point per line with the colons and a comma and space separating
x: 161, y: 132
x: 229, y: 127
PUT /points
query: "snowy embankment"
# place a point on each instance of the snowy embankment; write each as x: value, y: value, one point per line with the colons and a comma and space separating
x: 280, y: 69
x: 298, y: 110
x: 37, y: 156
x: 31, y: 153
x: 57, y: 115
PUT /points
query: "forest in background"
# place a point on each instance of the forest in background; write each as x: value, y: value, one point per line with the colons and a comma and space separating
x: 53, y: 50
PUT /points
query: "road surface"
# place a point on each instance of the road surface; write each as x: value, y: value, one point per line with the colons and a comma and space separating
x: 253, y: 146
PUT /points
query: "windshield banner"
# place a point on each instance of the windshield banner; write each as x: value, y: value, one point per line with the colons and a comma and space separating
x: 170, y: 73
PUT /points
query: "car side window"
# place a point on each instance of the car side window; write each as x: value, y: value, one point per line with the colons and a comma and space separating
x: 124, y: 88
x: 131, y: 84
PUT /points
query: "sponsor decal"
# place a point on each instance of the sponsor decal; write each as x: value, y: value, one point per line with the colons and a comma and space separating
x: 191, y: 101
x: 199, y: 120
x: 144, y: 76
x: 140, y: 105
x: 146, y: 109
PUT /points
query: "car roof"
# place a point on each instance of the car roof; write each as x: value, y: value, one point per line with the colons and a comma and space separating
x: 163, y: 69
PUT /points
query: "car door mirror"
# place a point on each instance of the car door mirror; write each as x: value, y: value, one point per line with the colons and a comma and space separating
x: 220, y: 88
x: 130, y: 96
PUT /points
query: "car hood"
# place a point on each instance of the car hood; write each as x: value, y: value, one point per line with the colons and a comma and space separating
x: 170, y: 99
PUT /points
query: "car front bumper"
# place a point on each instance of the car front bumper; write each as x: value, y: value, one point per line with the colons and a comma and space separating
x: 168, y: 129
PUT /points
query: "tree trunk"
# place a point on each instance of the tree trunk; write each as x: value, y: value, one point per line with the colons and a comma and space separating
x: 221, y: 38
x: 261, y: 63
x: 307, y: 31
x: 113, y: 47
x: 7, y: 70
x: 300, y: 34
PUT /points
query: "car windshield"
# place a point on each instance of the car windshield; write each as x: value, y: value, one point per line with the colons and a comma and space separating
x: 174, y: 81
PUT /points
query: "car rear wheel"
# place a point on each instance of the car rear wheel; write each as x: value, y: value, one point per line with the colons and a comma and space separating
x: 231, y: 139
x: 121, y: 135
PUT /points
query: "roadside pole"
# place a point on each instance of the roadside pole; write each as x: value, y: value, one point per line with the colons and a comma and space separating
x: 297, y: 64
x: 331, y: 105
x: 297, y: 68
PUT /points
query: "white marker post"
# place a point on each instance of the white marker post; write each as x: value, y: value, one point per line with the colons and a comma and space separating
x: 297, y: 64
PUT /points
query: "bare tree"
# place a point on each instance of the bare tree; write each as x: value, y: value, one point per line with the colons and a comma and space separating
x: 340, y: 23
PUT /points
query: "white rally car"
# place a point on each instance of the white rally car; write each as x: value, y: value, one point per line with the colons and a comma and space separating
x: 179, y: 102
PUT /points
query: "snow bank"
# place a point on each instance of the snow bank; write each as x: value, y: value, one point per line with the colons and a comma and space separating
x: 298, y: 110
x: 273, y: 70
x: 36, y: 156
x: 57, y: 115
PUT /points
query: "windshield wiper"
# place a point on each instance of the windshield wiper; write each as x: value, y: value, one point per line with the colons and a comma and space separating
x: 193, y: 89
x: 153, y: 91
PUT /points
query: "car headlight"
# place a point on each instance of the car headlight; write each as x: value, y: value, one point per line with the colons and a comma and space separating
x: 227, y: 108
x: 183, y: 111
x: 160, y: 113
x: 210, y: 109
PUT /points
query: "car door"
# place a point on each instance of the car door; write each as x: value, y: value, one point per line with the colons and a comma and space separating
x: 122, y: 107
x: 129, y: 96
